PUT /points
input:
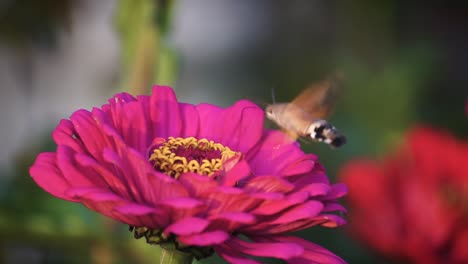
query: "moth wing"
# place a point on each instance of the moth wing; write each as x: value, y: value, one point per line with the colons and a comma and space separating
x: 319, y: 99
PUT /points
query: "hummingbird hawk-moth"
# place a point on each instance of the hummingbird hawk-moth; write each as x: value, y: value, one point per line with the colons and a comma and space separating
x: 305, y: 115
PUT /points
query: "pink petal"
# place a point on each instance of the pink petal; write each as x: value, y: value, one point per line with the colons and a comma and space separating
x: 100, y: 200
x: 197, y: 184
x: 268, y: 196
x: 164, y: 112
x: 112, y: 180
x: 115, y: 111
x: 114, y: 206
x: 141, y: 215
x: 121, y: 98
x: 337, y: 191
x: 268, y: 184
x: 75, y: 174
x: 163, y: 187
x: 230, y: 221
x: 135, y: 209
x: 232, y: 256
x: 274, y: 206
x: 331, y: 220
x: 282, y: 228
x: 239, y: 127
x: 227, y: 199
x: 302, y: 211
x: 190, y: 120
x: 89, y: 133
x: 45, y: 173
x: 300, y: 166
x: 239, y: 217
x: 134, y: 124
x: 96, y: 194
x: 65, y: 134
x: 282, y: 250
x: 316, y: 189
x: 187, y: 226
x: 326, y: 220
x: 180, y: 208
x: 210, y: 120
x: 204, y: 239
x: 134, y: 170
x: 317, y: 175
x: 312, y: 253
x: 145, y: 184
x: 114, y: 107
x: 140, y: 120
x: 275, y: 153
x: 334, y: 207
x: 293, y: 219
x: 243, y: 125
x: 182, y: 203
x: 236, y: 174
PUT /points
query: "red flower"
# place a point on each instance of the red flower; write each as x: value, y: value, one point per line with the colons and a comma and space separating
x: 195, y: 176
x: 415, y: 204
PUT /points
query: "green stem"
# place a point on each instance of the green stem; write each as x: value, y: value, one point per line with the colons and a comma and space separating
x: 174, y: 256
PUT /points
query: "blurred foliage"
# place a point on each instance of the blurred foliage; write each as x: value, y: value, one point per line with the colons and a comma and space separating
x: 33, y: 22
x: 146, y: 58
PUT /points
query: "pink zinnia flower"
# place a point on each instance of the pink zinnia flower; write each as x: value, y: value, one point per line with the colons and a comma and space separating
x: 194, y: 176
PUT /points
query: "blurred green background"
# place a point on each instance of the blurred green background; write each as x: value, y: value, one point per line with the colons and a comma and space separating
x: 405, y: 63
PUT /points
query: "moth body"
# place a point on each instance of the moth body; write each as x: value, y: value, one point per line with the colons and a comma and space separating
x: 305, y: 115
x: 322, y: 131
x: 297, y: 122
x: 289, y: 117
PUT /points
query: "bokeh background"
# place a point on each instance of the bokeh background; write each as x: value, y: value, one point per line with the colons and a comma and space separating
x: 404, y: 62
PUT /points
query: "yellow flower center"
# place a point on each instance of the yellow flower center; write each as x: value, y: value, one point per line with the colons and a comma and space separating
x: 179, y: 155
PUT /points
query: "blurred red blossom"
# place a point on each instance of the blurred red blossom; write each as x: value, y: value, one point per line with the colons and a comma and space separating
x: 414, y: 204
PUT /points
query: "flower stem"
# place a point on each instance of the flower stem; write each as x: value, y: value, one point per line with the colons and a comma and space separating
x: 169, y: 255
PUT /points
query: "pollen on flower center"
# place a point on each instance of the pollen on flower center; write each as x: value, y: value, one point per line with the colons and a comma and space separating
x: 180, y: 155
